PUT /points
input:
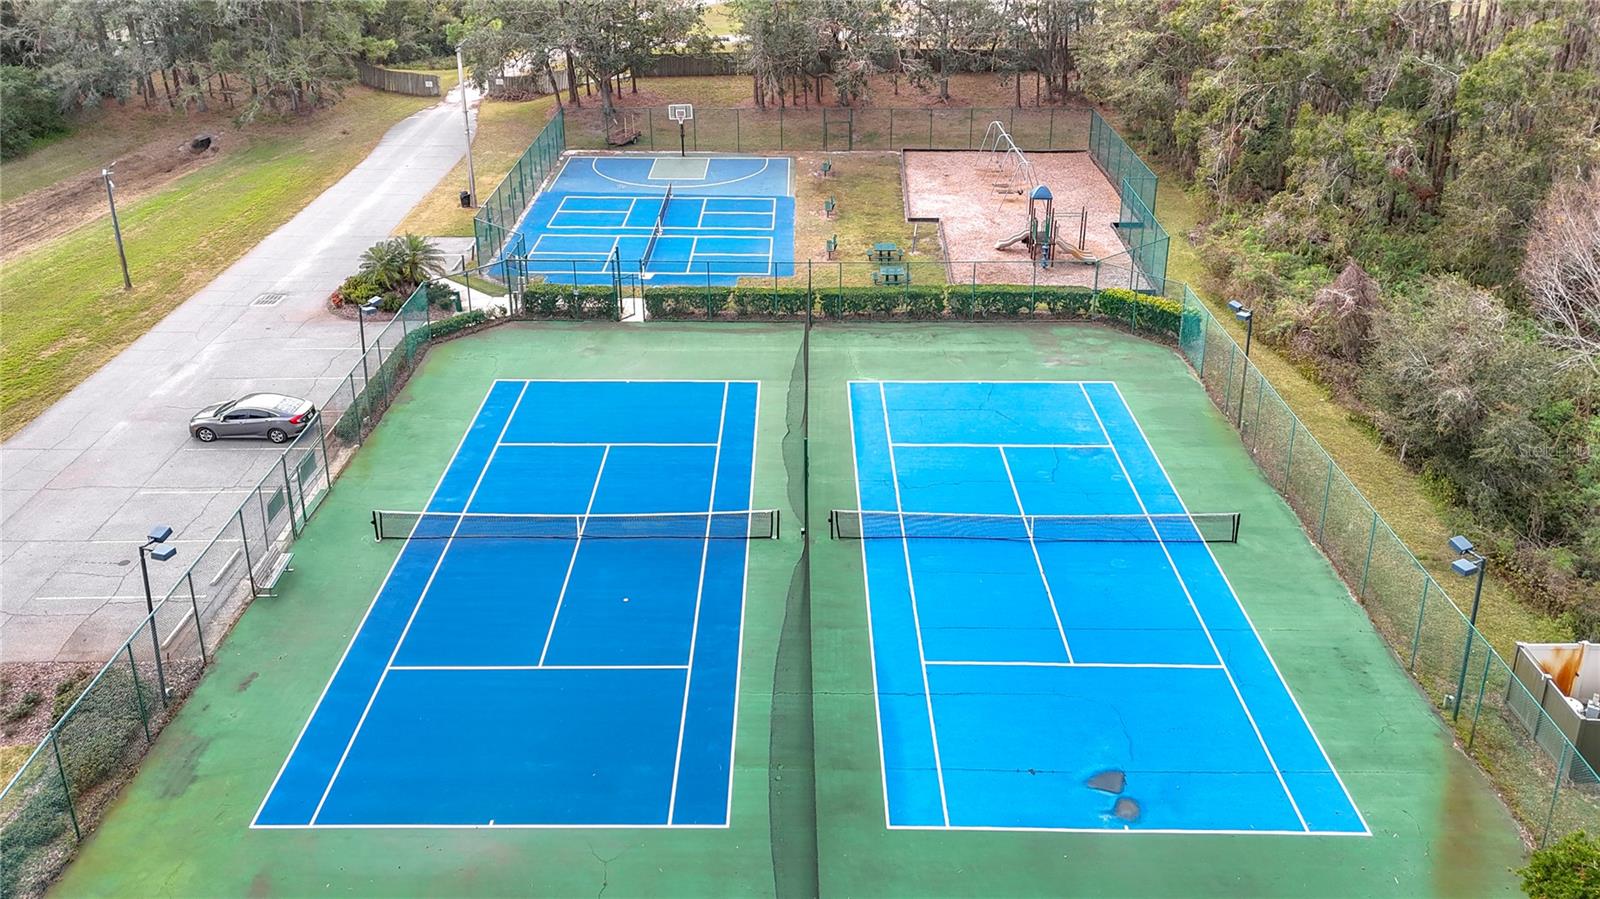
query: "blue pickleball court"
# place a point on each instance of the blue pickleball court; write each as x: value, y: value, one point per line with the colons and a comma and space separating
x: 1055, y: 646
x: 557, y: 644
x: 726, y: 218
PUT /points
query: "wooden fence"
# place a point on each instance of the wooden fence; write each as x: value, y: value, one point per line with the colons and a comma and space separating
x: 417, y: 84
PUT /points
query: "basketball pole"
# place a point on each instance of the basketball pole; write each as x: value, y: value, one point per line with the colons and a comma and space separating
x: 682, y: 145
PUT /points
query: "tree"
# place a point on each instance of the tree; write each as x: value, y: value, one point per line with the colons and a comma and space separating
x: 609, y: 37
x: 520, y: 34
x: 1561, y: 270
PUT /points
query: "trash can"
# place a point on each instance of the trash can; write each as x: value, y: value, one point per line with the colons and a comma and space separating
x: 466, y: 199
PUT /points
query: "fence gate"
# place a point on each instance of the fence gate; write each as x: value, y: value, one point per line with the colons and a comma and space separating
x: 839, y: 129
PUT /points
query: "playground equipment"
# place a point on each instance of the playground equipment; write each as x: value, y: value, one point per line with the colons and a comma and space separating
x: 1005, y: 155
x: 1043, y: 237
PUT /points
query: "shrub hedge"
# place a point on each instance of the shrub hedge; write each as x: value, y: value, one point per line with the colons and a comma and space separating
x: 1139, y: 312
x: 546, y: 300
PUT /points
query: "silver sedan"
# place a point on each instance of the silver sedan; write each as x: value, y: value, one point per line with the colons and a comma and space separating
x: 274, y: 416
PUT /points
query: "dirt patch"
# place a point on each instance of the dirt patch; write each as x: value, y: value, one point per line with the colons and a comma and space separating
x: 49, y: 212
x: 28, y: 679
x: 981, y: 200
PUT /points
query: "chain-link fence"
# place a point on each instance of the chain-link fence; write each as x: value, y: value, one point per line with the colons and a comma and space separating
x: 823, y: 128
x: 1118, y: 161
x: 1501, y: 725
x: 96, y: 743
x: 496, y: 220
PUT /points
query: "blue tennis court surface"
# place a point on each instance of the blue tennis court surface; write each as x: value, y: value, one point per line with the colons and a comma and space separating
x: 728, y: 217
x: 557, y: 681
x: 1063, y: 684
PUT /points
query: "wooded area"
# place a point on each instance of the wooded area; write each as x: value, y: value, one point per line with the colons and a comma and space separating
x: 1405, y: 192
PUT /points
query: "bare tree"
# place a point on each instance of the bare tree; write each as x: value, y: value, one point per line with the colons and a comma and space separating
x: 1561, y: 270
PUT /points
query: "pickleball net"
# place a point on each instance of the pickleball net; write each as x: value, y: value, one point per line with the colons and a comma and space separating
x: 655, y: 233
x: 1203, y: 527
x: 742, y: 524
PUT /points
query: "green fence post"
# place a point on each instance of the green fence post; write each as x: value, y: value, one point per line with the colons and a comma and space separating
x: 780, y: 128
x: 1261, y: 391
x: 1555, y: 794
x: 244, y: 540
x: 1227, y: 383
x: 1327, y: 489
x: 891, y: 127
x: 850, y: 143
x: 1366, y: 567
x: 930, y: 129
x: 1483, y: 684
x: 1288, y: 464
x: 738, y: 147
x: 194, y: 605
x: 650, y: 122
x: 283, y: 466
x: 1050, y: 142
x: 66, y: 788
x: 824, y: 128
x: 971, y: 120
x: 1422, y: 609
x: 138, y: 693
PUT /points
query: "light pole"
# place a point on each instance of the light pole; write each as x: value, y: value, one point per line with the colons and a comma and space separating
x: 466, y: 124
x: 116, y: 227
x: 362, y: 312
x: 155, y: 547
x: 1249, y: 319
x: 1471, y: 562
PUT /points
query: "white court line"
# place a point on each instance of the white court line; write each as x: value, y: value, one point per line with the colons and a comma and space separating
x: 1135, y: 830
x: 1049, y: 594
x: 916, y: 618
x: 1006, y: 446
x: 1132, y: 485
x: 466, y: 432
x: 572, y: 561
x: 578, y: 443
x: 699, y: 592
x: 766, y: 163
x: 744, y: 593
x: 866, y: 593
x: 1011, y: 664
x: 1235, y: 594
x: 438, y: 563
x: 537, y: 667
x: 491, y: 825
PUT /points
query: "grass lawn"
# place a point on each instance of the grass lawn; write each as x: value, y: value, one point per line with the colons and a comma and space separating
x: 1394, y: 489
x: 11, y: 759
x: 505, y: 129
x: 62, y: 304
x: 871, y: 208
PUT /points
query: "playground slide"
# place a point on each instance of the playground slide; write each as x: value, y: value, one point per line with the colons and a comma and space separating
x: 1076, y: 254
x: 1020, y: 237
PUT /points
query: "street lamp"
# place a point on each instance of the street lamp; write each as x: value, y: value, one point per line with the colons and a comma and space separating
x: 1249, y: 319
x: 116, y: 227
x: 362, y: 312
x: 156, y: 548
x: 466, y: 123
x: 1470, y: 563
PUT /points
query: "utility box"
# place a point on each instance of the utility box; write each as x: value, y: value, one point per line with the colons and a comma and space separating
x: 1560, y: 679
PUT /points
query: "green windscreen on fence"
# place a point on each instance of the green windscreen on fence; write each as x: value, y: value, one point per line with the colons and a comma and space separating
x: 498, y: 215
x: 1142, y: 234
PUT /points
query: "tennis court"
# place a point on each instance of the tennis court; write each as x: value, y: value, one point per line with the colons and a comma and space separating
x: 662, y: 219
x: 1054, y: 644
x: 558, y: 641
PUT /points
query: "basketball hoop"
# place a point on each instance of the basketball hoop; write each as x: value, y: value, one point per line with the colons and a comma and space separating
x: 680, y: 113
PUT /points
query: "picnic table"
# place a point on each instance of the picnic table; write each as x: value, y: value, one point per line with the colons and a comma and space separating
x: 885, y: 252
x: 891, y: 276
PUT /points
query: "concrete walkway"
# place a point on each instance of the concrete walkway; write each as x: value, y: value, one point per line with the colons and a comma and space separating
x: 81, y: 485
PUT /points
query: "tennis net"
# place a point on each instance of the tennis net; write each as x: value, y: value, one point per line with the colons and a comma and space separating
x: 655, y: 233
x: 1205, y: 527
x: 744, y: 524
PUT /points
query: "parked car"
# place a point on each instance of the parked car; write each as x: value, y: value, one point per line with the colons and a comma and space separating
x: 274, y: 416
